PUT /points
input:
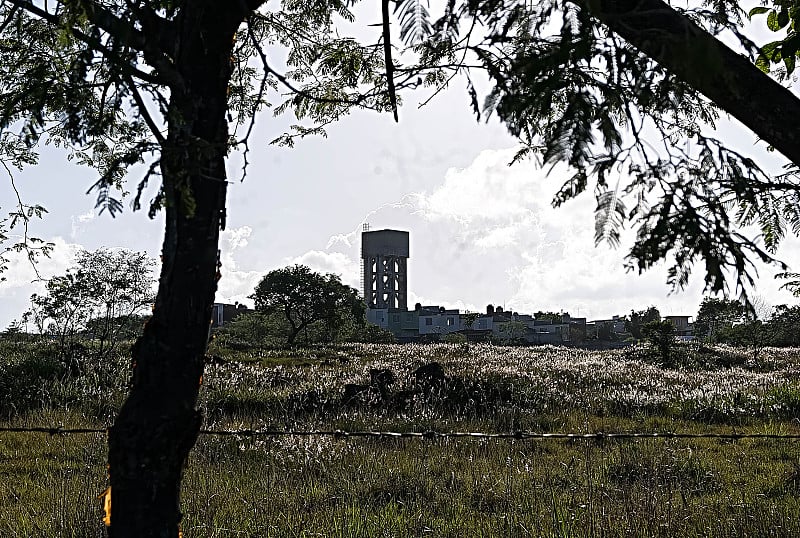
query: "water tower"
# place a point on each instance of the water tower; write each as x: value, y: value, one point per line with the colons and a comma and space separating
x: 384, y: 254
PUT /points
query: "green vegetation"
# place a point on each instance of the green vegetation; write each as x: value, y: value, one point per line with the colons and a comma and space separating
x: 100, y: 300
x: 329, y: 486
x: 727, y: 321
x: 295, y: 305
x: 176, y: 87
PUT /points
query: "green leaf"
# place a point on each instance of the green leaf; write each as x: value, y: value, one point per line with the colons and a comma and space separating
x: 758, y: 10
x: 762, y: 63
x: 772, y: 51
x: 772, y: 21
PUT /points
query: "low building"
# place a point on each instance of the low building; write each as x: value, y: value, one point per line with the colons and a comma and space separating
x: 403, y: 324
x: 436, y: 320
x: 379, y: 317
x: 222, y: 313
x: 683, y: 327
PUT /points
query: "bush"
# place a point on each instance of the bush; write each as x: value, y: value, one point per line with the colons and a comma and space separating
x: 661, y: 336
x: 454, y: 338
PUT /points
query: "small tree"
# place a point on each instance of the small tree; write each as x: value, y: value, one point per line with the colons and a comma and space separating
x: 97, y: 299
x: 511, y: 333
x: 637, y: 320
x: 661, y: 336
x: 469, y: 319
x: 785, y: 326
x: 717, y: 316
x: 553, y: 317
x: 372, y: 334
x: 310, y: 302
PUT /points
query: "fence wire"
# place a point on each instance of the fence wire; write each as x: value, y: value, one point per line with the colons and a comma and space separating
x: 427, y: 435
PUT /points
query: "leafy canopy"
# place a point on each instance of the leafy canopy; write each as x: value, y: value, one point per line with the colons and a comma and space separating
x: 575, y: 92
x: 305, y: 298
x: 100, y: 85
x: 572, y: 90
x: 98, y: 298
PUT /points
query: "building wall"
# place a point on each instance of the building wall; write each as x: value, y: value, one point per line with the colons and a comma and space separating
x: 439, y: 323
x: 222, y: 313
x: 379, y: 317
x: 404, y: 324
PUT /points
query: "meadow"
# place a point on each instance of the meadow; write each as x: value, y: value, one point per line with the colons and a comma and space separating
x: 303, y: 486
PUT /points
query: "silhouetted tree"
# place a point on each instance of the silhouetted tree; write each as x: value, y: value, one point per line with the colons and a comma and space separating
x: 305, y: 297
x: 637, y: 320
x: 99, y: 298
x: 717, y: 316
x: 785, y: 326
x: 661, y: 335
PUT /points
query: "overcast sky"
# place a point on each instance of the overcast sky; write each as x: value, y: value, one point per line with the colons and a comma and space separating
x: 481, y: 232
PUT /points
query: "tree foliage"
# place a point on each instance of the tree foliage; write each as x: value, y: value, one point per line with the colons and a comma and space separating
x: 97, y: 300
x: 309, y: 302
x: 785, y: 326
x: 718, y: 315
x: 635, y: 323
x: 14, y: 228
x: 782, y: 17
x: 661, y: 336
x: 616, y: 93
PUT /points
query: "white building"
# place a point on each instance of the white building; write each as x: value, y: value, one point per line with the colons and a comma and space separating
x: 435, y: 320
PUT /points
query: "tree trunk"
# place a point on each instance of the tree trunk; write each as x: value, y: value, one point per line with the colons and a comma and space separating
x: 158, y: 424
x: 726, y: 77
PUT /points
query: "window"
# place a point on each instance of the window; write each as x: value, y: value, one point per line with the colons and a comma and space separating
x: 428, y: 321
x: 451, y: 321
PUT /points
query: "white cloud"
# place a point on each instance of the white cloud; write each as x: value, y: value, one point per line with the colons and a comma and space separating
x: 236, y: 284
x: 486, y: 191
x: 79, y: 223
x: 22, y: 273
x: 235, y: 238
x: 337, y: 263
x: 22, y: 279
x: 502, y: 236
x: 86, y: 217
x: 488, y: 234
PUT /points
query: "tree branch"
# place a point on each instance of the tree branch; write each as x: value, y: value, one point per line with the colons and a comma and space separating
x: 727, y: 78
x: 128, y: 36
x: 143, y: 110
x: 387, y: 54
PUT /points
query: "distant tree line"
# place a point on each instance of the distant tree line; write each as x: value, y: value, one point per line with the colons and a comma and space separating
x: 727, y: 321
x: 106, y: 296
x: 105, y: 299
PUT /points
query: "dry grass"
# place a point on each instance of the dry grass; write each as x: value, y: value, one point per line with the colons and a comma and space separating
x: 293, y: 486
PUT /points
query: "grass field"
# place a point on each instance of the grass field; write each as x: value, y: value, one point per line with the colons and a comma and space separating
x: 354, y: 487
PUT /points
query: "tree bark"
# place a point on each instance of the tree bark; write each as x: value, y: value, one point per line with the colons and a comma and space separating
x: 159, y: 423
x: 726, y: 77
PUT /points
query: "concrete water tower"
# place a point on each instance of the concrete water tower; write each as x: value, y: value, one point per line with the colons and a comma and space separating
x: 384, y: 254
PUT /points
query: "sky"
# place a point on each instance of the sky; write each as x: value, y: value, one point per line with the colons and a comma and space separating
x: 481, y: 231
